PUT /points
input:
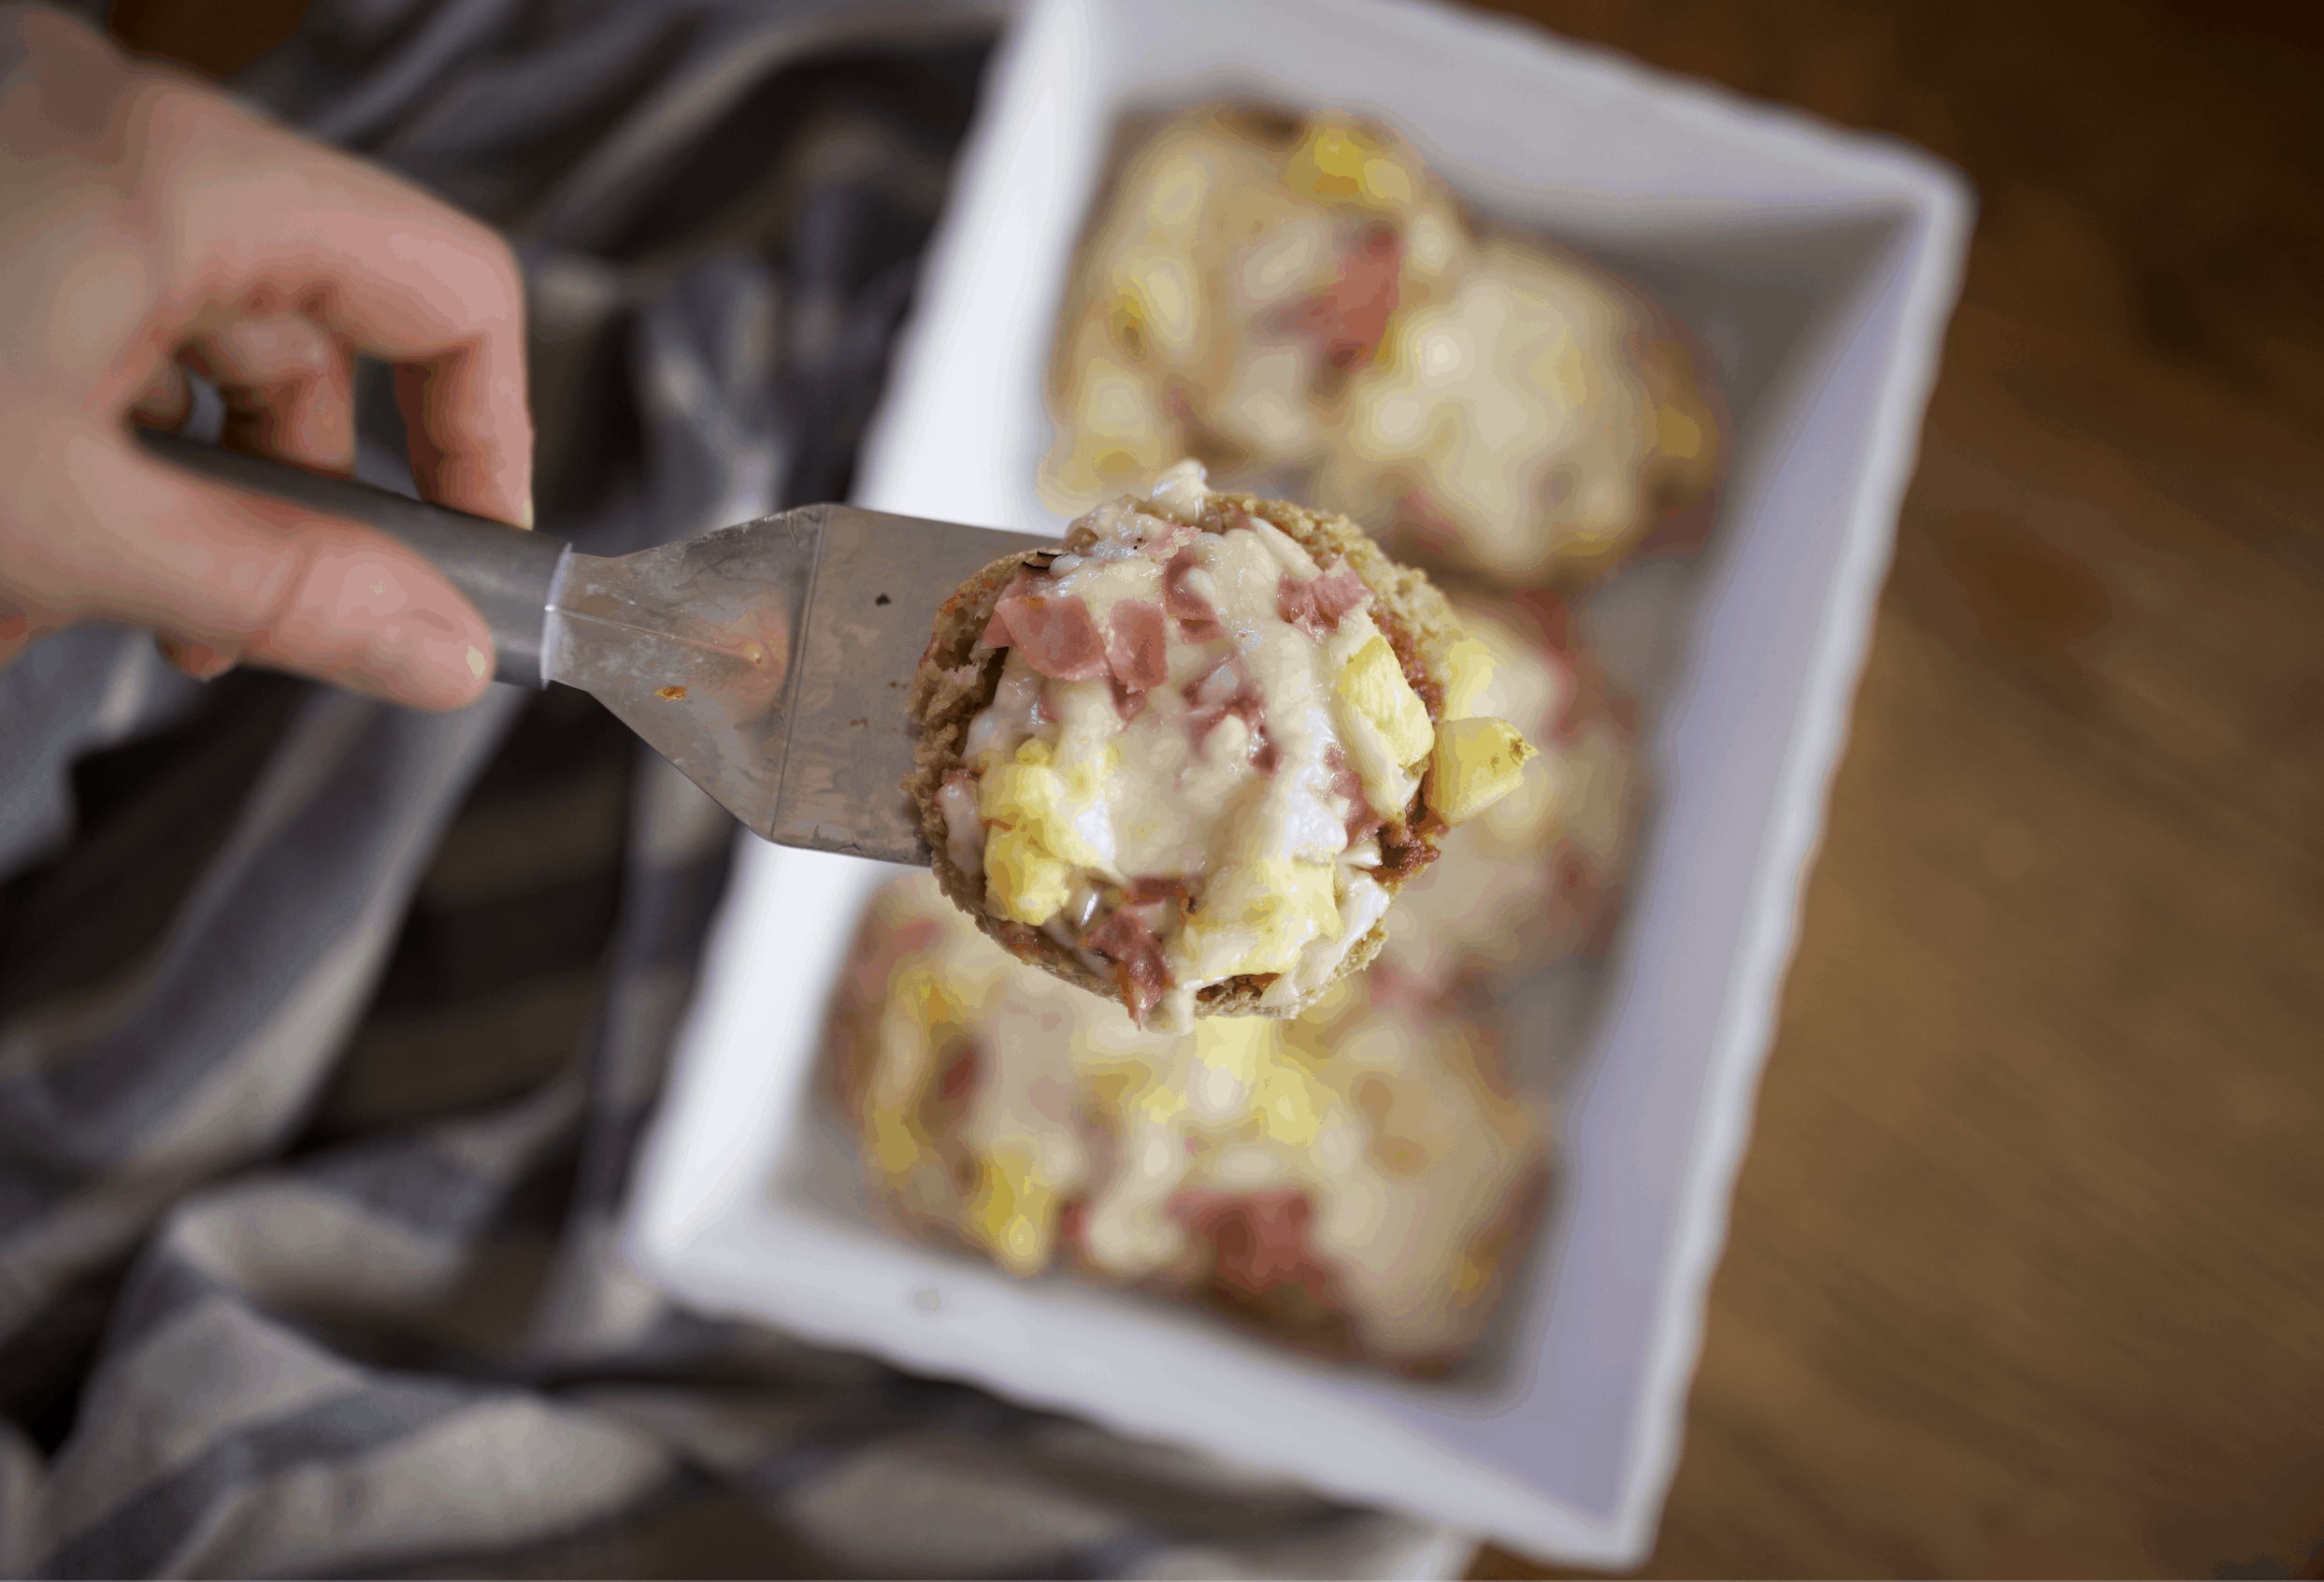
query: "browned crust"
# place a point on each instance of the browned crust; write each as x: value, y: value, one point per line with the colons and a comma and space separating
x: 955, y: 681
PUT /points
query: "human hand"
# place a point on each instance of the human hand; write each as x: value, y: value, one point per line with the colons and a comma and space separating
x: 149, y: 225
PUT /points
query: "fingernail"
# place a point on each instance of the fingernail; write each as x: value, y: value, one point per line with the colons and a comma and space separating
x: 202, y: 664
x: 451, y: 652
x: 379, y: 626
x: 524, y: 518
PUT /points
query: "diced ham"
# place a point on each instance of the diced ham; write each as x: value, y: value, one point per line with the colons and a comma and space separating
x: 1294, y: 601
x: 1346, y: 783
x: 1258, y: 1240
x: 960, y: 1075
x: 1339, y: 591
x: 1126, y: 939
x: 1316, y: 605
x: 1184, y: 604
x: 1058, y: 637
x: 1025, y: 582
x: 1136, y: 650
x: 1350, y: 315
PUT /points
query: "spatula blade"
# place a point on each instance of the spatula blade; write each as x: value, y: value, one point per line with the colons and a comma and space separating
x: 772, y: 662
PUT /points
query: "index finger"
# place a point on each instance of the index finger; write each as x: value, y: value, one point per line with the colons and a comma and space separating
x: 266, y: 220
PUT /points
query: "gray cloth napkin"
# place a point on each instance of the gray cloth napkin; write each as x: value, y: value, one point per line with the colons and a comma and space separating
x: 328, y: 1030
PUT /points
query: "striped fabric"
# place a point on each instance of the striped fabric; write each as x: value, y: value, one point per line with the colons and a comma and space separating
x: 327, y: 1030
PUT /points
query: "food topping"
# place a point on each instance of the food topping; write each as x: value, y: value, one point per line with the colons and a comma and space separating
x: 1475, y: 764
x: 1196, y: 731
x: 1361, y: 1158
x: 1305, y: 305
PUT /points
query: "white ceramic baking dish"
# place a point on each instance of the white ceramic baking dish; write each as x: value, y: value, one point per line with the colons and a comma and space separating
x: 1819, y: 270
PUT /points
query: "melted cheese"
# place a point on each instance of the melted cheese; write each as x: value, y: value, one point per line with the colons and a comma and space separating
x: 1245, y: 810
x: 1388, y: 1126
x: 1323, y: 309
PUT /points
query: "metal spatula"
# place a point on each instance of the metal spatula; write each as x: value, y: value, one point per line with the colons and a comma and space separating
x: 769, y: 661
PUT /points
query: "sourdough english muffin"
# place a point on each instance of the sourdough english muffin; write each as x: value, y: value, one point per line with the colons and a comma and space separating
x: 1296, y: 298
x: 1358, y: 1183
x: 1188, y: 759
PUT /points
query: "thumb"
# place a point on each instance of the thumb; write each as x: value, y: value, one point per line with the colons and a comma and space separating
x: 252, y: 578
x: 367, y: 613
x: 353, y: 607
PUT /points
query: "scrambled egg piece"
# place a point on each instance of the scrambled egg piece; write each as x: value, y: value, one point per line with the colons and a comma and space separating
x: 1374, y: 686
x: 1475, y: 764
x: 1012, y: 1212
x: 1032, y: 847
x: 1344, y: 161
x: 920, y: 1002
x: 1282, y: 1102
x: 1257, y: 916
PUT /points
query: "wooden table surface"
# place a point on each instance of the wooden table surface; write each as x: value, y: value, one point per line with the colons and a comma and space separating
x: 2026, y: 1275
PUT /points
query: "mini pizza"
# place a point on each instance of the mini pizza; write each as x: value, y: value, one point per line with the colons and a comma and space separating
x: 1356, y: 1183
x: 1187, y: 760
x: 1300, y: 303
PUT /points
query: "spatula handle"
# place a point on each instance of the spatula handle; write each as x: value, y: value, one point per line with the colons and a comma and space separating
x: 509, y: 574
